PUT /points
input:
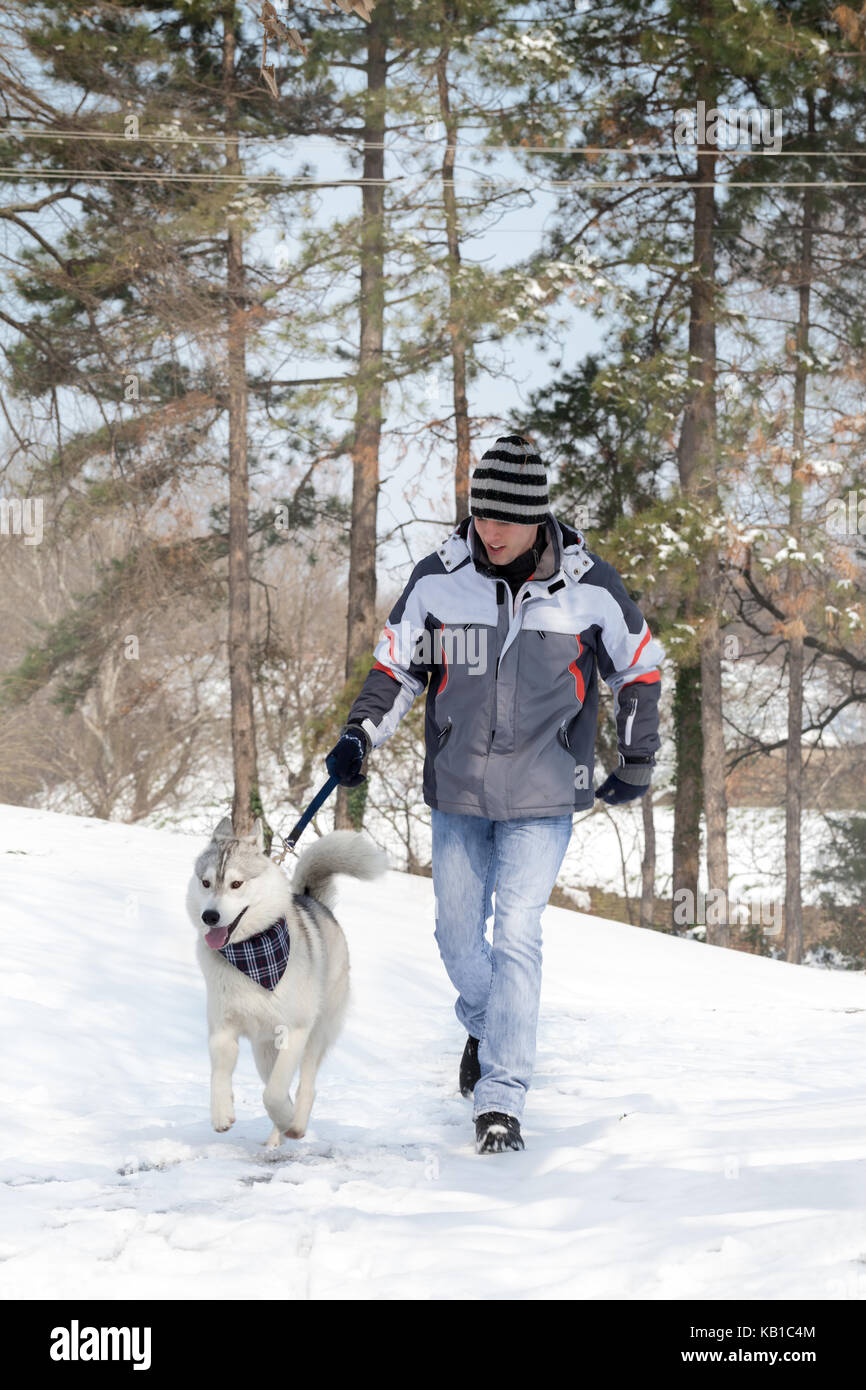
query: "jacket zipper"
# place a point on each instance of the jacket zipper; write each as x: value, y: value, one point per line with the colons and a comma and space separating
x: 500, y: 598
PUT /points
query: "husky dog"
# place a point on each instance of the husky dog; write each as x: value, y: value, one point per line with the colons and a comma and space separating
x: 275, y: 962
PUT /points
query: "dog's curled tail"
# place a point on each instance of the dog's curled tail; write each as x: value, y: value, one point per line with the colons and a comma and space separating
x: 341, y: 852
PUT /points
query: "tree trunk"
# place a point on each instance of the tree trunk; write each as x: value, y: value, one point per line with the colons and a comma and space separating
x: 648, y: 865
x: 688, y: 742
x: 246, y: 797
x: 361, y: 617
x: 793, y: 752
x: 714, y: 765
x: 698, y: 474
x: 456, y: 324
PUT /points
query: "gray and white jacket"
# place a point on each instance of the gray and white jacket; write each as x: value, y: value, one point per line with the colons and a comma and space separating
x: 512, y: 704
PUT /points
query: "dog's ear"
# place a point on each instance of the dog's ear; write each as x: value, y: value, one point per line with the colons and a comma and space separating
x: 224, y: 830
x: 258, y: 835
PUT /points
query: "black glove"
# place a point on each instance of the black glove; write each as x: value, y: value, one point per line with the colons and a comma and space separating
x: 628, y: 783
x: 346, y: 758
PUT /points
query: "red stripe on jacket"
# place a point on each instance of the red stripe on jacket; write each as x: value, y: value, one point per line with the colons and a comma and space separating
x: 444, y: 661
x: 377, y: 666
x: 640, y: 648
x: 649, y: 679
x: 579, y: 684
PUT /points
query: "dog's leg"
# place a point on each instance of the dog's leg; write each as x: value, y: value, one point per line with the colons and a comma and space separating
x: 265, y: 1054
x: 325, y: 1033
x: 278, y: 1102
x: 317, y: 1045
x: 223, y: 1046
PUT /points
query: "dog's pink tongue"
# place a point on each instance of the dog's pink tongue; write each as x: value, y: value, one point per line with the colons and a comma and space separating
x: 216, y: 937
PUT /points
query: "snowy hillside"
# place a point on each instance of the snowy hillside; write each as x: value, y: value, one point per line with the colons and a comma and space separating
x: 696, y: 1129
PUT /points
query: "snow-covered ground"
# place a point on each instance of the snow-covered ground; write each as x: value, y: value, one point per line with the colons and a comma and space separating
x: 696, y: 1127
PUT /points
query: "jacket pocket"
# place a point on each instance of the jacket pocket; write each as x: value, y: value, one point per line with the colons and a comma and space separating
x: 562, y: 734
x: 443, y: 736
x: 629, y: 721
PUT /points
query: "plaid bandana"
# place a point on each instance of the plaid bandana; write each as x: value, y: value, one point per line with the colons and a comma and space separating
x: 264, y: 957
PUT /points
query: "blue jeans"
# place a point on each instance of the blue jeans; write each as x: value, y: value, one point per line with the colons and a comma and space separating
x: 499, y: 984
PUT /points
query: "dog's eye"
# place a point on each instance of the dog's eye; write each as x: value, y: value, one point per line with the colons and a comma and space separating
x: 238, y: 883
x: 205, y: 883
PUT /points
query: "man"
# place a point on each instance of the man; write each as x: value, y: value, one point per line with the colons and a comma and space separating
x: 509, y: 621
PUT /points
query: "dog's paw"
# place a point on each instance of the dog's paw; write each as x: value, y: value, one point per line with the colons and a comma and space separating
x: 273, y: 1140
x: 281, y: 1113
x: 295, y: 1133
x: 222, y: 1119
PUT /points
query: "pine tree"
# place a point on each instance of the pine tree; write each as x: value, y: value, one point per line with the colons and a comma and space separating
x: 636, y: 82
x: 806, y: 253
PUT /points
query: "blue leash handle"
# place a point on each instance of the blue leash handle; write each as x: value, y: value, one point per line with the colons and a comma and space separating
x: 318, y: 800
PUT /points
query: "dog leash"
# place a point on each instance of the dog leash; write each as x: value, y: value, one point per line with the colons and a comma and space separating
x: 297, y: 830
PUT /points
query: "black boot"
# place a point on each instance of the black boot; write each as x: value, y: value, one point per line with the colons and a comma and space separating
x: 470, y: 1069
x: 495, y: 1132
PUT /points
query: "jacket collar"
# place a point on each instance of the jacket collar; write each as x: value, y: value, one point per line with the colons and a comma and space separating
x: 565, y: 555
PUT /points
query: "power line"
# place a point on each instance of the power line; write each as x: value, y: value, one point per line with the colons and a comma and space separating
x: 278, y: 181
x: 150, y: 176
x: 586, y: 150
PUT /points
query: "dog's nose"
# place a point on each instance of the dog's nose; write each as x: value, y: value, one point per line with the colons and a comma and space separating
x: 211, y: 917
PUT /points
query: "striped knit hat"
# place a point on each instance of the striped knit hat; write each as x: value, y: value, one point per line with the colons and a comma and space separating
x: 510, y: 484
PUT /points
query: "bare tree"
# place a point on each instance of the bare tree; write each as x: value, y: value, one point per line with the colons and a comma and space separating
x: 246, y: 804
x: 456, y: 317
x: 648, y: 863
x: 361, y: 610
x: 697, y: 458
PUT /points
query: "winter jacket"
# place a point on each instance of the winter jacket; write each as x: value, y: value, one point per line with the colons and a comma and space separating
x: 512, y: 703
